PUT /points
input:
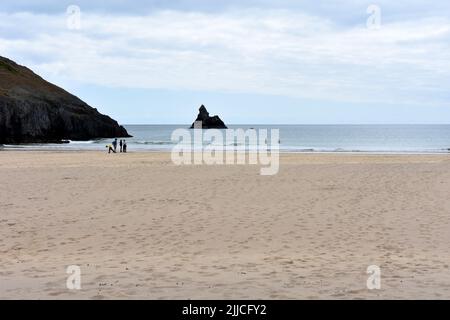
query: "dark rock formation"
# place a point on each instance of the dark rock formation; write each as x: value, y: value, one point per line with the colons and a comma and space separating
x: 207, y: 121
x: 33, y: 110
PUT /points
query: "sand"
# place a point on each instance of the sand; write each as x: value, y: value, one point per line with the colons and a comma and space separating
x: 140, y: 227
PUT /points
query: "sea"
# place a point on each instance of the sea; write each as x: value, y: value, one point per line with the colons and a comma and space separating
x: 292, y: 138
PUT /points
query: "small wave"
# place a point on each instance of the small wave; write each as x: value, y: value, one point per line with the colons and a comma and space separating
x: 363, y: 151
x: 157, y: 143
x: 81, y: 142
x: 238, y: 144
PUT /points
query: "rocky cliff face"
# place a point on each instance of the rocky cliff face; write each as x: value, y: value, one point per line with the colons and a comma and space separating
x: 209, y: 122
x: 33, y: 110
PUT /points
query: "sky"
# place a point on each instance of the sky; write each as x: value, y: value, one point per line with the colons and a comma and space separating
x: 251, y: 62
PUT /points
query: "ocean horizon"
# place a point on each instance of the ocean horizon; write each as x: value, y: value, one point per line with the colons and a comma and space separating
x: 351, y: 138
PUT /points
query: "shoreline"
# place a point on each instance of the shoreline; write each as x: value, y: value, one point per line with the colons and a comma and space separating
x: 287, y: 152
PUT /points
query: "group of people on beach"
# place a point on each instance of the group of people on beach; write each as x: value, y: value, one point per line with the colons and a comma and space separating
x: 113, y: 147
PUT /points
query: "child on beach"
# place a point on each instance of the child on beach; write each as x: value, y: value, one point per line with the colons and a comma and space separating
x: 110, y: 148
x: 121, y: 145
x: 124, y: 146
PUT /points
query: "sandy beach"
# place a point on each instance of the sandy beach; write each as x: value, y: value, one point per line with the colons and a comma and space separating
x: 140, y: 227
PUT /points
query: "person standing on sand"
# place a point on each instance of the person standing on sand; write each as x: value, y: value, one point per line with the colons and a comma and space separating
x: 115, y: 145
x: 124, y: 146
x: 121, y: 145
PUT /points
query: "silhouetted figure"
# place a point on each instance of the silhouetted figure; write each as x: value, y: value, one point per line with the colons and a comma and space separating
x: 121, y: 145
x: 124, y: 146
x: 115, y: 145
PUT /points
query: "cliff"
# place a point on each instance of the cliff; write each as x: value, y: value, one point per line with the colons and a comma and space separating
x: 33, y: 110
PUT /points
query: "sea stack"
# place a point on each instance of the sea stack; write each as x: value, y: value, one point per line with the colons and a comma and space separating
x: 209, y: 122
x: 33, y: 110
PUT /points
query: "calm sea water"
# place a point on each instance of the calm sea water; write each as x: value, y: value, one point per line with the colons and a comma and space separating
x: 298, y: 138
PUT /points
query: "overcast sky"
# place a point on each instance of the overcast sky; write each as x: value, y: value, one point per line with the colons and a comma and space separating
x: 287, y: 61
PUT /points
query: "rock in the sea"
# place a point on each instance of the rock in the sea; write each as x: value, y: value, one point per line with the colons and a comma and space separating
x: 33, y: 110
x: 207, y: 121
